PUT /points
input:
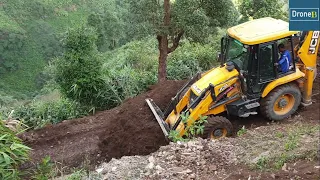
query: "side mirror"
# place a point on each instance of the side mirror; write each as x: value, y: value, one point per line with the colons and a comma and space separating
x: 219, y: 56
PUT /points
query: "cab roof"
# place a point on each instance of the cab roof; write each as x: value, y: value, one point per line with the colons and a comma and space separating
x: 260, y: 31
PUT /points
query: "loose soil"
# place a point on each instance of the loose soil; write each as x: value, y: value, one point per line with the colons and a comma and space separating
x: 129, y: 129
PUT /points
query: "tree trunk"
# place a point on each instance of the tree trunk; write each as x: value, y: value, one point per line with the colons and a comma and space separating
x: 163, y: 54
x: 163, y: 43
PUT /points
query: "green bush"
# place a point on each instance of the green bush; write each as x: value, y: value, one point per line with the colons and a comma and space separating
x: 79, y: 71
x: 130, y: 70
x: 129, y: 82
x: 191, y: 58
x: 12, y: 154
x: 11, y: 45
x: 44, y: 170
x: 37, y: 114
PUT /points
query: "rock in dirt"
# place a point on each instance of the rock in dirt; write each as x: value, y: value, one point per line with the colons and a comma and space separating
x: 162, y: 164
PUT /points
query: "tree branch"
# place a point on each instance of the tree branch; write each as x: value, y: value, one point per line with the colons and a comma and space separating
x: 175, y: 42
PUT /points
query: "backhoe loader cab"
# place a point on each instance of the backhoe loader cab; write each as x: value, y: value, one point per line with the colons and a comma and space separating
x: 247, y: 81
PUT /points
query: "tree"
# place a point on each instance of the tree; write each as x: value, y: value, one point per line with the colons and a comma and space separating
x: 172, y: 20
x: 110, y: 25
x: 263, y: 8
x: 79, y: 71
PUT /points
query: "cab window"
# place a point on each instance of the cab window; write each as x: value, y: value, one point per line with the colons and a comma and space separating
x: 266, y: 62
x: 238, y: 54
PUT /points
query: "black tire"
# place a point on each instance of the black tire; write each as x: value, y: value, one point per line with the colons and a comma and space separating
x: 215, y: 126
x: 281, y: 102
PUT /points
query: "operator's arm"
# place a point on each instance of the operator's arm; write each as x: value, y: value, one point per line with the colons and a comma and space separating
x: 283, y: 58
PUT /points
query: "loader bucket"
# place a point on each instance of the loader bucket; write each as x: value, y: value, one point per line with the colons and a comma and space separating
x: 159, y: 116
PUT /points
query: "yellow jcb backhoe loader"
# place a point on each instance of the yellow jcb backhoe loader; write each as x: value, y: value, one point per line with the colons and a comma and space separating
x: 248, y: 80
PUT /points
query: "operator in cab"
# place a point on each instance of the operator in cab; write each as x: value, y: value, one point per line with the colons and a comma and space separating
x: 285, y: 60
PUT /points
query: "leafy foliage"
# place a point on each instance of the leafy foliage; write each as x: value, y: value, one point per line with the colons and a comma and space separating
x: 38, y: 114
x: 262, y: 162
x: 196, y: 128
x: 174, y: 136
x: 80, y: 174
x: 242, y: 131
x: 44, y: 170
x: 191, y: 58
x: 263, y: 8
x: 79, y: 73
x: 171, y: 20
x: 12, y: 154
x: 196, y: 18
x: 191, y: 131
x: 110, y: 27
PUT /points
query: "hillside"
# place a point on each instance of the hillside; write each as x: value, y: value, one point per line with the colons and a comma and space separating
x: 130, y: 129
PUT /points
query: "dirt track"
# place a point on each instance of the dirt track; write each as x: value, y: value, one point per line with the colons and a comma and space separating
x: 129, y: 129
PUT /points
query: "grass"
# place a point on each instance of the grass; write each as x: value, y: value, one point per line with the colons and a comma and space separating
x: 242, y: 131
x: 262, y: 162
x: 22, y: 81
x: 68, y: 19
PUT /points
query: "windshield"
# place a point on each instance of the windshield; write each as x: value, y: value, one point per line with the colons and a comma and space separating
x: 237, y: 53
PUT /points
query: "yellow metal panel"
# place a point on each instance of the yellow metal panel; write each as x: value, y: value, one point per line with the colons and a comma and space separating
x: 308, y: 55
x: 214, y: 77
x: 223, y: 86
x: 216, y: 110
x: 309, y: 49
x: 283, y: 80
x: 260, y: 31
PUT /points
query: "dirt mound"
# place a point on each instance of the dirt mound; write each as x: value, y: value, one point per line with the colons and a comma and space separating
x: 129, y: 129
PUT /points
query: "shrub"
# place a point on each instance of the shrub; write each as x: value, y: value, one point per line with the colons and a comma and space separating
x: 37, y: 114
x: 44, y: 170
x: 130, y: 70
x: 129, y: 82
x: 12, y: 154
x: 191, y: 58
x: 78, y: 72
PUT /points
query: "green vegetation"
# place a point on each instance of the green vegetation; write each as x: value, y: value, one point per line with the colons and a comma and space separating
x: 12, y: 154
x: 80, y: 174
x: 293, y: 142
x: 44, y: 170
x: 124, y: 56
x: 78, y: 73
x: 266, y: 8
x: 171, y: 21
x: 37, y: 114
x: 262, y: 163
x: 194, y: 130
x: 242, y: 131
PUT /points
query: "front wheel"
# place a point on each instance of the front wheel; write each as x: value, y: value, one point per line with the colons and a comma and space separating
x: 281, y: 102
x: 217, y: 127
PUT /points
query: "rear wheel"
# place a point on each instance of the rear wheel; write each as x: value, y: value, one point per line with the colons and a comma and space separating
x: 281, y: 102
x: 217, y: 127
